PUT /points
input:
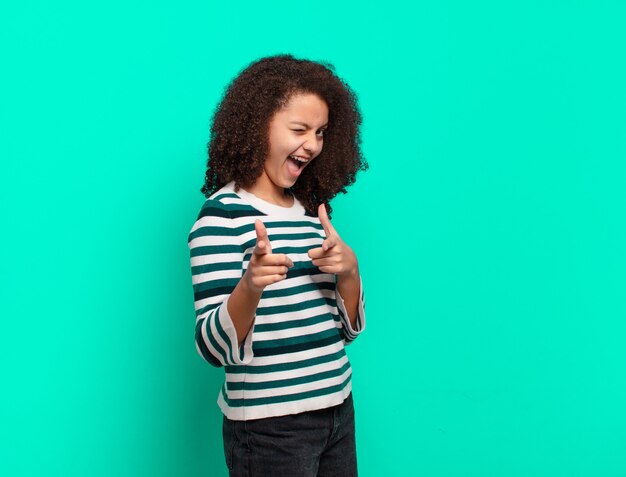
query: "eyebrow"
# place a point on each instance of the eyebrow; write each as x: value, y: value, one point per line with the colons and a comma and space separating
x: 306, y: 125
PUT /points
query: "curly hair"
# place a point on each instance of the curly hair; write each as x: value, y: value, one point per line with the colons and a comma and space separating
x: 240, y: 129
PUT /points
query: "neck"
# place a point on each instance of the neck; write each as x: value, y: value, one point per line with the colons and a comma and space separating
x: 270, y: 193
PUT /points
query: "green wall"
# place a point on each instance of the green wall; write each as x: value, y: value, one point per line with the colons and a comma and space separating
x: 490, y: 230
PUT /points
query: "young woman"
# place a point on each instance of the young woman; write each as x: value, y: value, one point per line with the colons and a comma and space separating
x: 278, y: 293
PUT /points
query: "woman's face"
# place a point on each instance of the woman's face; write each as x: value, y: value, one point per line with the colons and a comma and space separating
x: 296, y: 137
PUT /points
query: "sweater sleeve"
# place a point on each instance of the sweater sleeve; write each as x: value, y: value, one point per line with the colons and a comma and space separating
x: 216, y: 268
x: 349, y: 333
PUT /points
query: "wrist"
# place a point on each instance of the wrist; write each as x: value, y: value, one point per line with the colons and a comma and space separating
x: 247, y: 286
x: 349, y: 275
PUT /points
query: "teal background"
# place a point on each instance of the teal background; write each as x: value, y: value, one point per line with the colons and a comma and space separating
x: 490, y: 230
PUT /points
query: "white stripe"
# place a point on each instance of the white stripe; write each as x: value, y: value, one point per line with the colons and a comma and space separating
x: 310, y: 242
x: 230, y: 200
x: 296, y: 298
x: 208, y: 344
x: 211, y: 258
x: 284, y: 408
x: 212, y: 300
x: 292, y: 373
x: 206, y: 240
x: 293, y: 332
x: 294, y: 229
x: 298, y: 355
x: 303, y: 280
x: 294, y: 315
x: 217, y: 275
x: 298, y: 388
x: 217, y: 336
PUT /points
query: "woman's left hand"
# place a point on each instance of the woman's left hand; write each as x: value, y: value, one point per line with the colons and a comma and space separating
x: 334, y: 256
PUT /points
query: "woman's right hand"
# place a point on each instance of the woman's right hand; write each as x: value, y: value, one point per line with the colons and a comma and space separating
x: 265, y: 267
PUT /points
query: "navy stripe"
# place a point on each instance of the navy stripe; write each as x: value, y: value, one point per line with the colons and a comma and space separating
x: 283, y: 325
x: 223, y: 335
x: 292, y: 307
x: 215, y: 267
x: 214, y: 250
x: 212, y: 211
x: 282, y: 292
x: 288, y: 397
x: 279, y: 383
x: 211, y: 230
x: 206, y: 354
x: 272, y: 368
x: 294, y: 348
x: 224, y: 290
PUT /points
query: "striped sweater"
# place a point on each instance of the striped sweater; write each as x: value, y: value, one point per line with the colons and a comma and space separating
x: 293, y: 359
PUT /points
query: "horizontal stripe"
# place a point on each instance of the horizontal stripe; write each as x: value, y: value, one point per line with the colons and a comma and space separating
x: 223, y: 195
x: 231, y: 212
x: 251, y: 386
x: 293, y: 357
x: 212, y: 267
x: 283, y: 325
x: 287, y: 397
x: 295, y: 332
x: 274, y: 310
x: 306, y: 287
x: 300, y: 346
x: 226, y: 289
x: 215, y: 249
x: 293, y: 236
x: 213, y: 209
x: 273, y: 368
x: 298, y: 355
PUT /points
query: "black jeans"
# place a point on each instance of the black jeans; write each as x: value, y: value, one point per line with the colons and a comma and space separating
x: 311, y: 444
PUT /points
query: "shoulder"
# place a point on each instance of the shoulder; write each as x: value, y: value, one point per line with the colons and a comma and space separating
x: 213, y: 208
x: 223, y: 203
x: 223, y: 213
x: 218, y: 204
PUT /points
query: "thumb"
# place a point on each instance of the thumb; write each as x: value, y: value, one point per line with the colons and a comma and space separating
x: 262, y: 240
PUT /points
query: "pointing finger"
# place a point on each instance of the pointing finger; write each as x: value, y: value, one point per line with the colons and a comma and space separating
x: 325, y: 221
x: 263, y: 245
x: 331, y: 233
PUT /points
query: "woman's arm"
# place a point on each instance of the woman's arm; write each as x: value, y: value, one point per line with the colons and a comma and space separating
x: 335, y: 256
x: 225, y: 300
x: 264, y: 269
x: 349, y: 287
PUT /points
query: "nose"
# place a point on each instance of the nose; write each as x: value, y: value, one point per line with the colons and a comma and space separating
x: 313, y: 144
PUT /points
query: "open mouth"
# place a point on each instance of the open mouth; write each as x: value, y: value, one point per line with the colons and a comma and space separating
x: 298, y: 161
